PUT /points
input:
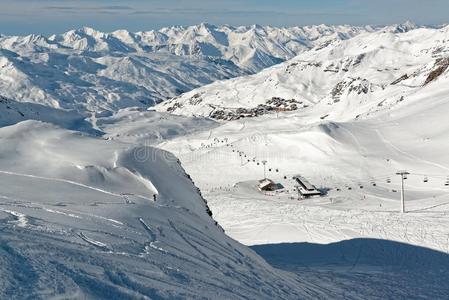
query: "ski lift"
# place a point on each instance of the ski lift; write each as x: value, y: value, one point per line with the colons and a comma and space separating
x: 426, y: 179
x: 388, y: 180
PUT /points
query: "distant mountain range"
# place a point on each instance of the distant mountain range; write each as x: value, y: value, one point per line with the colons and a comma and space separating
x: 89, y: 70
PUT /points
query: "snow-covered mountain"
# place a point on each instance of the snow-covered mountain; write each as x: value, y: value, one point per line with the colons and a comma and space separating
x: 90, y: 70
x: 338, y: 81
x: 72, y: 80
x: 252, y: 48
x: 104, y: 217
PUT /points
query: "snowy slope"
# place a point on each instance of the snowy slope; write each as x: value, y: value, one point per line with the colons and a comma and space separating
x: 89, y: 70
x: 329, y: 240
x: 345, y: 79
x: 147, y: 127
x: 78, y: 220
x: 365, y: 109
x: 13, y: 112
x: 354, y: 163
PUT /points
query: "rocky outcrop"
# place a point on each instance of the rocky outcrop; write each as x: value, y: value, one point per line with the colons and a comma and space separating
x: 441, y: 65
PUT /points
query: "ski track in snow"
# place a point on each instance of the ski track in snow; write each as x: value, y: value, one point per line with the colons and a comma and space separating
x: 61, y: 180
x: 413, y: 157
x: 92, y: 242
x: 21, y: 219
x: 73, y: 183
x: 324, y: 225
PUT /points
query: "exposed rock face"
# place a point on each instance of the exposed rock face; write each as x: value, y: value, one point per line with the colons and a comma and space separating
x: 441, y: 65
x: 402, y: 78
x: 351, y: 85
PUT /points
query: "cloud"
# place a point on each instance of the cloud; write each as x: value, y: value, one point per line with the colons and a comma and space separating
x: 63, y: 8
x: 234, y: 12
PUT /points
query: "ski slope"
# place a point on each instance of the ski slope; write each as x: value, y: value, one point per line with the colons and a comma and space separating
x: 370, y: 106
x: 355, y: 235
x: 78, y: 220
x: 333, y: 156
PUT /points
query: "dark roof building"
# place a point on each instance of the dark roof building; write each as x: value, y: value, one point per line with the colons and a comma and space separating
x: 267, y: 185
x: 305, y: 188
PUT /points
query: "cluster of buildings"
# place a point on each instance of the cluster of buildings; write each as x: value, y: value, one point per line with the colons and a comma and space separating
x: 304, y: 188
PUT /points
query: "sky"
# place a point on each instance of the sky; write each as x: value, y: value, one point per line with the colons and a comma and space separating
x: 19, y: 17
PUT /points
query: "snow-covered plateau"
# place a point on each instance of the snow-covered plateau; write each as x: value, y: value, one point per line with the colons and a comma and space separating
x: 114, y: 198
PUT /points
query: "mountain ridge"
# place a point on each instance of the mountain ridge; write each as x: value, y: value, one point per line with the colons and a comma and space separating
x: 89, y: 70
x: 344, y: 79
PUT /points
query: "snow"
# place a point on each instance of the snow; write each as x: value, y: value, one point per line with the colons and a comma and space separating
x: 12, y: 112
x: 97, y: 202
x: 342, y: 80
x: 331, y: 155
x: 357, y: 130
x: 96, y: 231
x: 135, y: 125
x: 89, y: 70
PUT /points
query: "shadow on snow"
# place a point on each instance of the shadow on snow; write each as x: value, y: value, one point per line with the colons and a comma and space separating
x: 368, y: 268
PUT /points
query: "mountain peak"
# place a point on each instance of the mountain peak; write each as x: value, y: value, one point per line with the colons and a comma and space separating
x: 404, y: 27
x: 207, y: 25
x: 90, y: 31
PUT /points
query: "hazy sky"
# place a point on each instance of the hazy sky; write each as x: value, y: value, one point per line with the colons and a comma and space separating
x: 51, y: 16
